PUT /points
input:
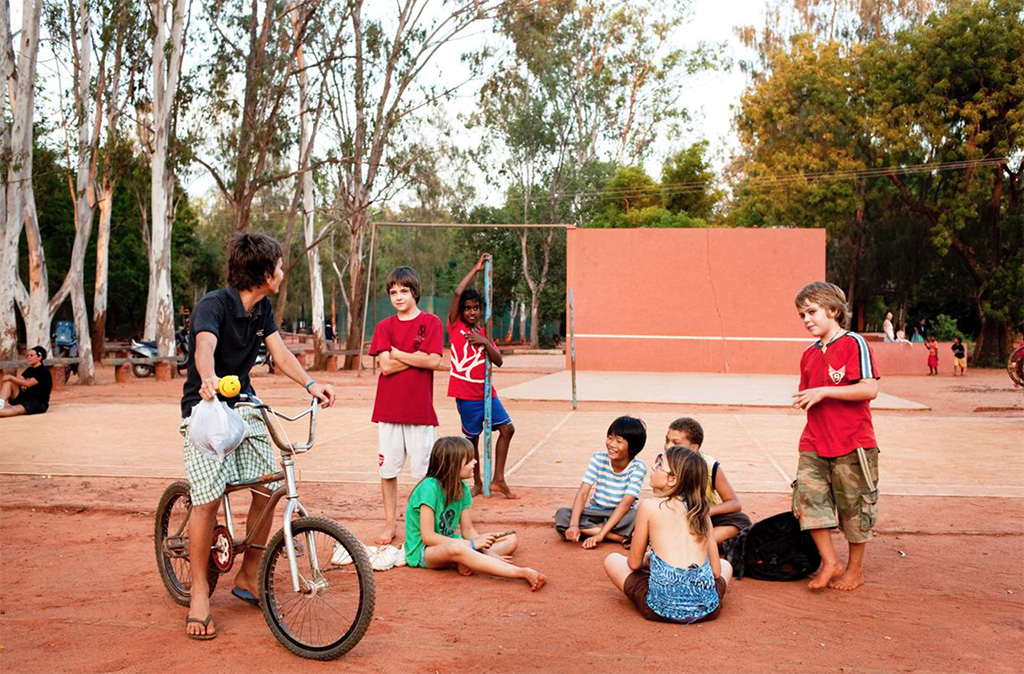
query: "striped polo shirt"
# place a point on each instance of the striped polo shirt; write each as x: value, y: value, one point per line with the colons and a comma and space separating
x: 611, y: 487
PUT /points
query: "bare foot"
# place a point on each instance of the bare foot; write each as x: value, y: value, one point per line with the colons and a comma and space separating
x: 850, y: 580
x: 826, y: 573
x: 387, y: 535
x: 476, y: 490
x: 464, y: 570
x: 497, y: 485
x: 536, y: 579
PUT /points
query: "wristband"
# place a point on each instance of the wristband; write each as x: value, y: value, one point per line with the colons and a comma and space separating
x: 311, y: 382
x: 472, y: 546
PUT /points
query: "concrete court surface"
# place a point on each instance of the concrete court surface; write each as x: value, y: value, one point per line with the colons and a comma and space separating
x: 921, y: 454
x: 755, y: 390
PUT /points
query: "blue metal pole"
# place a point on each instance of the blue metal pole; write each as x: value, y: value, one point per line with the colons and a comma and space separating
x: 487, y: 382
x: 572, y: 348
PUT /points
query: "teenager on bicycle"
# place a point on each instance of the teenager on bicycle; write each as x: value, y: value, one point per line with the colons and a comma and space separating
x: 227, y: 328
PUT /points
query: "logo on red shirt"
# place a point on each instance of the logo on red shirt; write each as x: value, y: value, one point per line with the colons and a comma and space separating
x: 836, y: 375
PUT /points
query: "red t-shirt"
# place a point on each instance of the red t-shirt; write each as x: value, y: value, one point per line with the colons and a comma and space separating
x: 469, y: 364
x: 837, y: 427
x: 407, y: 397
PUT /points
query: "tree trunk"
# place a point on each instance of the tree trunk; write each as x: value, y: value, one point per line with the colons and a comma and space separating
x: 85, y: 197
x: 522, y: 321
x: 18, y: 89
x: 306, y: 137
x: 356, y: 287
x: 99, y: 298
x: 167, y: 54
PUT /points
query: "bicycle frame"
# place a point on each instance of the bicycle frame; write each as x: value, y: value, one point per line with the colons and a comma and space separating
x: 290, y: 489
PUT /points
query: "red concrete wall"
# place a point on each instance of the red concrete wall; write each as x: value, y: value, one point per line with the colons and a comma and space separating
x: 708, y: 300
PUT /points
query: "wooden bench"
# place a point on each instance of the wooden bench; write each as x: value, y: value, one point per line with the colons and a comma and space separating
x: 58, y: 369
x: 164, y: 367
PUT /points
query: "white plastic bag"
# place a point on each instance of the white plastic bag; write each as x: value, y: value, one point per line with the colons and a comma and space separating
x: 215, y: 429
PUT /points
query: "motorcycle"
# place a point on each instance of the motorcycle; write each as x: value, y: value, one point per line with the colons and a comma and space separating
x: 65, y: 345
x: 264, y: 358
x: 148, y: 350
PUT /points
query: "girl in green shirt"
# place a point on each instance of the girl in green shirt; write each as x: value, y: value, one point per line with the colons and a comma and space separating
x: 439, y: 505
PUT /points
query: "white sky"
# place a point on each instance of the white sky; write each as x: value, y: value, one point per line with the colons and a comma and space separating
x: 710, y: 98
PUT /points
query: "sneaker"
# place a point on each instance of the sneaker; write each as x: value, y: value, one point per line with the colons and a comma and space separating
x: 342, y: 557
x: 3, y: 403
x: 385, y: 557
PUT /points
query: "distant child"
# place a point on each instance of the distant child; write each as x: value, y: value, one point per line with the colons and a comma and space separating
x: 615, y: 477
x: 837, y: 473
x: 959, y: 356
x: 727, y: 517
x: 470, y: 351
x: 439, y: 504
x: 408, y: 348
x: 933, y: 355
x: 682, y: 580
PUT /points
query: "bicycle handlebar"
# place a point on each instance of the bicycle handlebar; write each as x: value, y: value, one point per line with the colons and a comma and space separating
x: 266, y: 410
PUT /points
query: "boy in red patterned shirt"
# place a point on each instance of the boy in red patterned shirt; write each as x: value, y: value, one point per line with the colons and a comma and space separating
x: 470, y: 351
x: 837, y: 473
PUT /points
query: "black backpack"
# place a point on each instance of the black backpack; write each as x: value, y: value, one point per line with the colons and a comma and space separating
x: 773, y: 549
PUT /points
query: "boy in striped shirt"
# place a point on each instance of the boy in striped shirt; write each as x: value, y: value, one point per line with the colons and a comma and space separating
x: 613, y: 480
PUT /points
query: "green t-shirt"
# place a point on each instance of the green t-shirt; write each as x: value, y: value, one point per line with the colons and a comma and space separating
x: 446, y: 516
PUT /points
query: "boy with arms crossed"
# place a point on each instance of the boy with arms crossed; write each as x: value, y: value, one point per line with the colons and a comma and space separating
x: 227, y: 327
x: 407, y: 347
x: 837, y: 473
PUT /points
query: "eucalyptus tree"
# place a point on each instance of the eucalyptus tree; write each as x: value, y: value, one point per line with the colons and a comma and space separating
x: 577, y: 82
x: 18, y: 68
x: 376, y: 93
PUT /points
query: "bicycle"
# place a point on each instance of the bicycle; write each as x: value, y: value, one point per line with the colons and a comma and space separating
x: 316, y: 583
x: 1015, y: 366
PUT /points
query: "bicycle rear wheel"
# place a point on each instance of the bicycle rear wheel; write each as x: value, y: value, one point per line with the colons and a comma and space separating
x: 334, y: 605
x: 1015, y: 366
x: 171, y: 539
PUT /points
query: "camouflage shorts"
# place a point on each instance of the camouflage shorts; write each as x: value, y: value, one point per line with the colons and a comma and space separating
x: 825, y: 488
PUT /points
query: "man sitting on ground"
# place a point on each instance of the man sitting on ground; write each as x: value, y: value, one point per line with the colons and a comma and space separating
x: 29, y: 393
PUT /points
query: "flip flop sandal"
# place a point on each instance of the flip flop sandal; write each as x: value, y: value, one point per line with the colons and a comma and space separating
x: 204, y: 623
x: 246, y: 596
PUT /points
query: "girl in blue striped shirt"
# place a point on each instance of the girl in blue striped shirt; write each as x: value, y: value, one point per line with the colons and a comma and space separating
x: 612, y: 481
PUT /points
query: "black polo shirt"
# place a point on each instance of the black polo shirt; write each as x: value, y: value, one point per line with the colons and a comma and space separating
x: 238, y: 333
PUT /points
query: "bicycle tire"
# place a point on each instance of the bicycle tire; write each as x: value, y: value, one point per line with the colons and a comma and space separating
x: 175, y: 571
x: 341, y: 590
x: 1015, y: 366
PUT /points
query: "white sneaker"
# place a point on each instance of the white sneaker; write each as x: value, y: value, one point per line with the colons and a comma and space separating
x: 385, y: 557
x: 3, y: 403
x: 342, y: 557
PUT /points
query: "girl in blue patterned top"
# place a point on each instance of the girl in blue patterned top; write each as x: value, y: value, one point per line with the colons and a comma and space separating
x: 681, y: 578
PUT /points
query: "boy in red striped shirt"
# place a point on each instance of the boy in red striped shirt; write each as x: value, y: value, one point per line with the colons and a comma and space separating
x: 837, y: 473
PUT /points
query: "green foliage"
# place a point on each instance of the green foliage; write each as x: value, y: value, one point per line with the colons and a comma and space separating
x: 828, y: 125
x: 944, y: 328
x: 688, y: 183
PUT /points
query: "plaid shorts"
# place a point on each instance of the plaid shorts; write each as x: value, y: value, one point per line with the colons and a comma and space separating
x: 253, y: 459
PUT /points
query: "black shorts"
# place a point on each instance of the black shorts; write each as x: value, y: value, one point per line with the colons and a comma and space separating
x: 31, y: 405
x: 637, y: 584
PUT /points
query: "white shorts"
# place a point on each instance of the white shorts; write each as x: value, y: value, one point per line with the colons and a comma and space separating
x: 395, y: 442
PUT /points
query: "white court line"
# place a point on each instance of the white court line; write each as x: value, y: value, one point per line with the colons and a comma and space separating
x: 760, y: 446
x: 706, y: 338
x: 540, y: 443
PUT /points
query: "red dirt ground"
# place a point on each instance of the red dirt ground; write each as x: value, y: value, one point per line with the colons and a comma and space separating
x: 945, y: 592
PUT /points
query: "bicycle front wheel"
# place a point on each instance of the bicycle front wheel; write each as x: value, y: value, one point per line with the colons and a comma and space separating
x: 334, y: 605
